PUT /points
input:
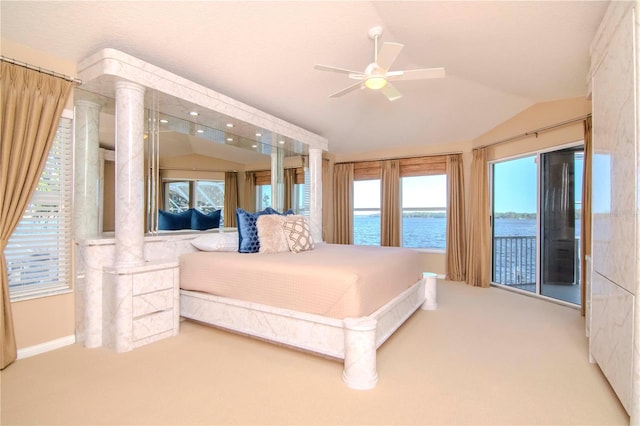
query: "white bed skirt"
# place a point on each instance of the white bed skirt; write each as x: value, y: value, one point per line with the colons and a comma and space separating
x: 353, y: 340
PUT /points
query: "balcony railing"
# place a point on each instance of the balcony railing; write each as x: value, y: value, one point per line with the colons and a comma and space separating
x: 514, y: 261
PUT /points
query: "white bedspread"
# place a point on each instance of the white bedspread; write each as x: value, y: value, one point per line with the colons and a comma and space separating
x: 332, y: 280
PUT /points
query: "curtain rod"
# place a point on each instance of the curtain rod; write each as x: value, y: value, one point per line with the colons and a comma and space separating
x: 403, y: 158
x: 42, y: 70
x: 537, y: 131
x: 180, y: 169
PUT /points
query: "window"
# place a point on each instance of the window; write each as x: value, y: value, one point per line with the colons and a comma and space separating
x: 209, y: 195
x: 263, y: 197
x: 38, y: 253
x: 177, y: 196
x: 424, y: 211
x: 366, y: 212
x: 204, y: 195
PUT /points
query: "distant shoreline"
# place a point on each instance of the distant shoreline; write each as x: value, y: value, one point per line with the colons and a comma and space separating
x: 505, y: 215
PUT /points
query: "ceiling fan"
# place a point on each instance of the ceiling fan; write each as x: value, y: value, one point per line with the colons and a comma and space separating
x: 376, y: 75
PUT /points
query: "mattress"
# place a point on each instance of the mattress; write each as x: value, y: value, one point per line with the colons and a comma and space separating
x: 333, y: 280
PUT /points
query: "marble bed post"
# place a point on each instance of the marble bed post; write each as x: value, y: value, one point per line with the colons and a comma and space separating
x: 315, y: 191
x: 360, y: 353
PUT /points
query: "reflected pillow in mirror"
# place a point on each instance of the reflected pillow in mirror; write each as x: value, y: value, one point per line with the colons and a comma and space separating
x: 174, y: 221
x: 218, y: 241
x: 201, y: 221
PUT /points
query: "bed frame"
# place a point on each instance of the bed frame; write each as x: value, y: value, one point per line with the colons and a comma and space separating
x: 354, y: 340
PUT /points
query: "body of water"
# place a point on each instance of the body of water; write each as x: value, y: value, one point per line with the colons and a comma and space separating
x: 430, y: 232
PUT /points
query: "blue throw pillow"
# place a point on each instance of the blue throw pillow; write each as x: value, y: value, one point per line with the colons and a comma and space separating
x: 174, y: 221
x: 270, y: 210
x: 201, y: 221
x: 248, y: 241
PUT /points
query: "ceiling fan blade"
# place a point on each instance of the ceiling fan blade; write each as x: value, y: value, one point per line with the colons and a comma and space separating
x: 391, y: 92
x: 335, y: 69
x: 416, y: 74
x: 346, y: 90
x: 388, y: 54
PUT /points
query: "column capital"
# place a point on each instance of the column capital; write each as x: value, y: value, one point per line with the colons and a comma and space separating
x: 129, y: 85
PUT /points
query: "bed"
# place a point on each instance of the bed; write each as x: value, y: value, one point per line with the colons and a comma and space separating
x: 338, y: 301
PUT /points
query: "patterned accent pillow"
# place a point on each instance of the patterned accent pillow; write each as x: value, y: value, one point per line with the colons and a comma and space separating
x: 248, y: 241
x: 298, y: 233
x: 270, y: 233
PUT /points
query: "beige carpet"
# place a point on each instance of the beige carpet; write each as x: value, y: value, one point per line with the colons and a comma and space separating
x: 486, y: 356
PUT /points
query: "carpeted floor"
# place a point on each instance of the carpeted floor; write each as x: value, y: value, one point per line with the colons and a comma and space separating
x: 486, y: 356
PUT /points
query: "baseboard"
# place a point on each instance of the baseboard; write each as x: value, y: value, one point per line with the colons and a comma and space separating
x: 46, y: 346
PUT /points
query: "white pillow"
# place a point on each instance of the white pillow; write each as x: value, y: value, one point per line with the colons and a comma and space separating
x: 270, y: 233
x: 218, y: 241
x: 298, y: 233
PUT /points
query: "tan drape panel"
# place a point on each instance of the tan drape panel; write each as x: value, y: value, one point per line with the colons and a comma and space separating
x: 479, y: 248
x: 343, y: 203
x: 390, y: 203
x: 456, y: 256
x: 289, y: 182
x: 585, y: 222
x: 31, y: 104
x: 327, y: 201
x: 249, y: 200
x: 230, y: 198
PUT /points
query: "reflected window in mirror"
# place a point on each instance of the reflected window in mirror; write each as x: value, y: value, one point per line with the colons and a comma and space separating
x: 263, y: 197
x: 205, y: 196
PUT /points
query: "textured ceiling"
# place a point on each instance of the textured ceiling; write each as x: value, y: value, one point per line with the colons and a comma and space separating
x: 500, y: 57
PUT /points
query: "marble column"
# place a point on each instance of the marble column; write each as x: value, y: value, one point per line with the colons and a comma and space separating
x: 315, y: 192
x: 85, y: 219
x: 87, y: 165
x: 277, y: 179
x: 129, y: 209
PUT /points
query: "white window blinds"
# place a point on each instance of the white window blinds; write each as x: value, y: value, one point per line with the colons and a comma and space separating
x: 39, y: 251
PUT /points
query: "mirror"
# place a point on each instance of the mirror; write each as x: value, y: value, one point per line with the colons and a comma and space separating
x: 185, y: 160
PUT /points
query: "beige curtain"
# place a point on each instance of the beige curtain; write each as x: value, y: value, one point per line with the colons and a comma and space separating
x: 390, y: 203
x: 289, y: 182
x: 327, y: 201
x: 479, y: 248
x: 31, y: 104
x: 343, y: 203
x: 249, y: 201
x: 230, y: 198
x: 456, y: 235
x: 585, y: 222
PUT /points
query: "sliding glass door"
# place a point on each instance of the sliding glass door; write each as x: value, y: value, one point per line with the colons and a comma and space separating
x: 536, y: 204
x: 560, y: 207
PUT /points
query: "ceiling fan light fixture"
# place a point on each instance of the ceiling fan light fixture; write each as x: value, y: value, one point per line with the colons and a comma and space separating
x: 375, y: 82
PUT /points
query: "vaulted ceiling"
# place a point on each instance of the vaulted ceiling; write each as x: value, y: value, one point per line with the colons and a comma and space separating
x: 500, y: 57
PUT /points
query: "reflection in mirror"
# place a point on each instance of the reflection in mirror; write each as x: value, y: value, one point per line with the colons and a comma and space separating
x: 191, y: 165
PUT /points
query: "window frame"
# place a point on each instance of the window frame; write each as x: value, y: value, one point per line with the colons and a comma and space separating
x: 192, y: 193
x: 444, y: 209
x: 55, y: 206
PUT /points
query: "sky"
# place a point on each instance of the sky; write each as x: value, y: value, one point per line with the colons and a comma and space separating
x: 515, y: 185
x: 419, y: 191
